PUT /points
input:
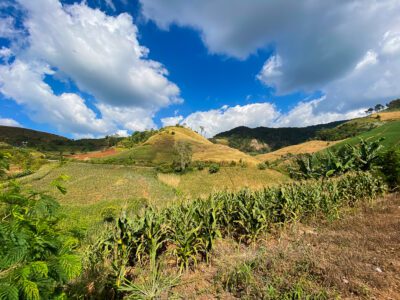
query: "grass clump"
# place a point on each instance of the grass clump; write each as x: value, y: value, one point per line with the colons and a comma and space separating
x: 213, y: 168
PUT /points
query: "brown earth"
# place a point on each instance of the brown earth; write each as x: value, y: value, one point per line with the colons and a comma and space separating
x: 355, y: 257
x: 94, y: 154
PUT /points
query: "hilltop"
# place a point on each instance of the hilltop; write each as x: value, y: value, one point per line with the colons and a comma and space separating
x: 159, y: 148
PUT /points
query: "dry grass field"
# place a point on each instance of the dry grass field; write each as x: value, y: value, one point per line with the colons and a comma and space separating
x: 201, y: 183
x: 387, y: 116
x: 307, y: 147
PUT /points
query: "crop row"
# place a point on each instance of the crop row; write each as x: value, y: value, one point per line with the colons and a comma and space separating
x: 188, y: 231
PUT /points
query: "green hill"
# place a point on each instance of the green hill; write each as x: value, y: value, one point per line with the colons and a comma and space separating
x: 275, y: 138
x: 389, y: 131
x: 16, y: 136
x: 44, y: 141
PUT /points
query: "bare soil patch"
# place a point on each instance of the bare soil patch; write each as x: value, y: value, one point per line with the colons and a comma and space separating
x: 94, y: 154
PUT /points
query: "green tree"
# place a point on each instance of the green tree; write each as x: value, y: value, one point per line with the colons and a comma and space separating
x: 36, y: 258
x: 184, y: 154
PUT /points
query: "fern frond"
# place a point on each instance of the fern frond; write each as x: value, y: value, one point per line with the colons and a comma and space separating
x: 8, y: 292
x: 30, y: 290
x: 69, y: 266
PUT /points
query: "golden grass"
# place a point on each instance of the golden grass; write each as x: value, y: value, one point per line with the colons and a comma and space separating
x: 307, y: 147
x: 172, y: 180
x: 388, y: 116
x: 160, y: 146
x: 201, y: 183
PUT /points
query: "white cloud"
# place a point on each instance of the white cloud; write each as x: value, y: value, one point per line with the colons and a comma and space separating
x: 316, y: 43
x: 68, y: 112
x: 259, y: 114
x: 9, y: 122
x: 101, y: 55
x: 171, y: 121
x: 370, y: 58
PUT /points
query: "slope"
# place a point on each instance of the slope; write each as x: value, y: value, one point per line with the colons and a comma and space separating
x: 159, y: 148
x: 307, y: 147
x: 275, y: 138
x: 390, y: 131
x: 16, y: 136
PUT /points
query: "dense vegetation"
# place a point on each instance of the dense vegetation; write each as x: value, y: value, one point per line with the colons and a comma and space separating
x: 348, y: 129
x: 36, y: 258
x: 394, y: 105
x: 137, y: 137
x: 361, y: 157
x: 275, y: 138
x: 42, y: 141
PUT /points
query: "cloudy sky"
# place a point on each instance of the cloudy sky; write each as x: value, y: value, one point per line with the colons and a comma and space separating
x: 97, y: 67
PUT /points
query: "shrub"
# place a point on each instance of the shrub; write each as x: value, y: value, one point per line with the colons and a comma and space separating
x: 262, y: 166
x: 109, y: 214
x: 199, y: 165
x: 390, y: 167
x: 36, y: 258
x: 213, y: 168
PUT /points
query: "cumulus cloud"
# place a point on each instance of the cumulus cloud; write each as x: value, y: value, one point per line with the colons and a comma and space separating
x: 171, y: 121
x: 259, y: 114
x: 101, y: 55
x: 24, y: 83
x: 9, y: 122
x: 318, y: 44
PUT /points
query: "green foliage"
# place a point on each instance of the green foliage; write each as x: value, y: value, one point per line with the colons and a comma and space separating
x: 36, y: 258
x: 390, y: 167
x: 262, y: 166
x: 183, y: 154
x: 188, y: 231
x: 361, y: 157
x: 347, y: 130
x: 137, y: 138
x: 274, y: 138
x: 4, y: 164
x: 213, y: 168
x: 394, y: 105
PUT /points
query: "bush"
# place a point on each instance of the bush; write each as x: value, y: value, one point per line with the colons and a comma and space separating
x: 213, y: 168
x: 109, y: 213
x: 199, y: 165
x: 390, y: 167
x: 262, y: 166
x: 36, y: 258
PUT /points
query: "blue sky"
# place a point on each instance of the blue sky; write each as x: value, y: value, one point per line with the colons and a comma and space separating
x: 115, y: 66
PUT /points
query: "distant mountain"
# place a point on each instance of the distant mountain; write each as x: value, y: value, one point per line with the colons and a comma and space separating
x: 17, y: 136
x: 243, y: 137
x: 43, y: 141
